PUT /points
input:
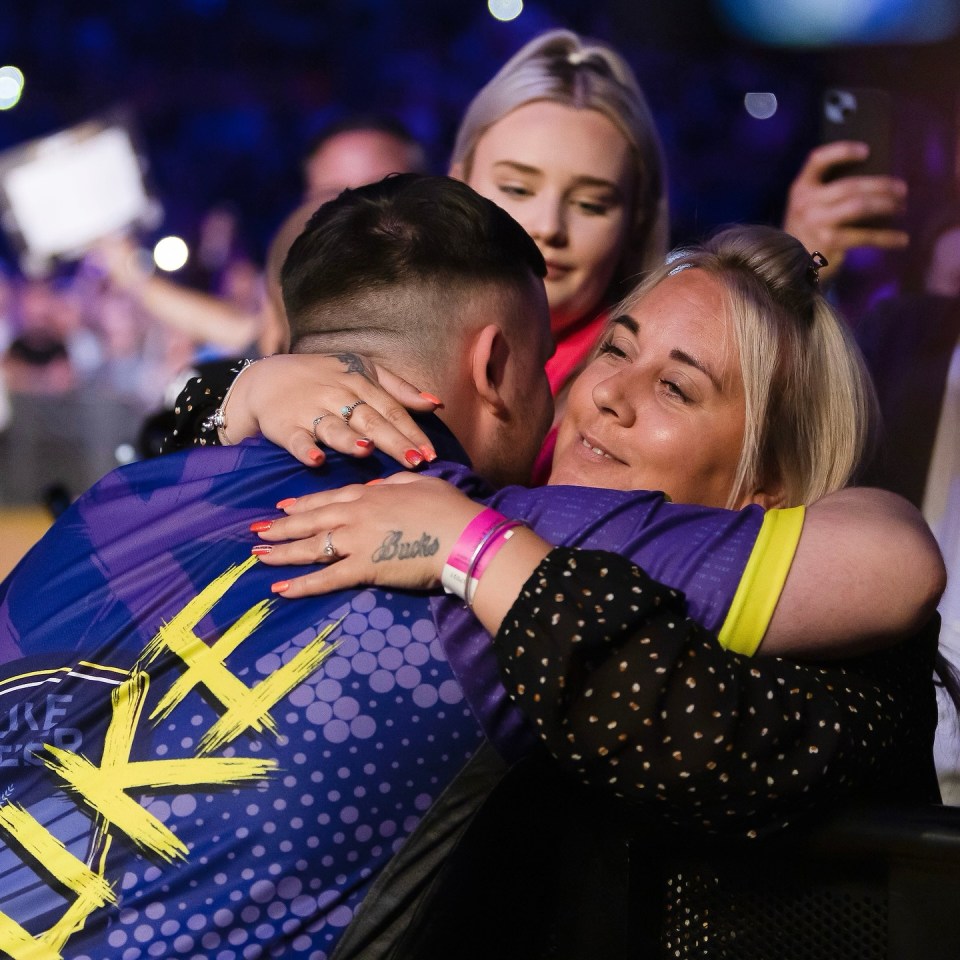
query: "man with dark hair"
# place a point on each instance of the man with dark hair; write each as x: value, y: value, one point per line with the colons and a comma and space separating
x: 189, y: 766
x: 430, y: 260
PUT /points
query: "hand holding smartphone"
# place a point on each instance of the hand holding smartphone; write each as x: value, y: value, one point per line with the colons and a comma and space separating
x: 844, y: 196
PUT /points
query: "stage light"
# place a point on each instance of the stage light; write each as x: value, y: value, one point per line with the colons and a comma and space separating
x: 505, y: 9
x: 170, y: 254
x: 825, y: 22
x: 11, y: 87
x: 760, y: 106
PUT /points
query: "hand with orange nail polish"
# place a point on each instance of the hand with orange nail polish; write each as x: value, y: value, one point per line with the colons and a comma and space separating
x: 395, y: 531
x: 295, y: 400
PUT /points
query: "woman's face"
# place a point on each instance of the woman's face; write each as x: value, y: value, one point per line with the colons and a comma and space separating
x: 662, y: 406
x: 566, y: 176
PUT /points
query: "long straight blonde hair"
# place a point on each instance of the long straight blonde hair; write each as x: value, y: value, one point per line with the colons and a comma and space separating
x: 561, y: 67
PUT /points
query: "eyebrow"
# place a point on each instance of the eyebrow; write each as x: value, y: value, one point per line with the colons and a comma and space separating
x: 581, y: 181
x: 675, y: 354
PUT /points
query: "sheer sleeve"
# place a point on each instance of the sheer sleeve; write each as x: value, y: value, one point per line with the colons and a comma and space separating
x: 627, y: 692
x: 198, y: 400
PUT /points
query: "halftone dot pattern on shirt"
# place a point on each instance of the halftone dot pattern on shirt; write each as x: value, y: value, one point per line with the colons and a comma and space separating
x: 366, y: 744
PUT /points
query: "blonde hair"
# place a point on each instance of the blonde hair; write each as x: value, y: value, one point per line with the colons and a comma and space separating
x: 810, y: 406
x: 561, y: 67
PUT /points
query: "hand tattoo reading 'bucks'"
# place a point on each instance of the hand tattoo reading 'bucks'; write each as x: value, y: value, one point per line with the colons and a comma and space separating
x: 394, y: 547
x: 354, y: 363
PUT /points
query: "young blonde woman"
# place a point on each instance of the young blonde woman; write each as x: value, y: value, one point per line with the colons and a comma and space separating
x: 563, y: 139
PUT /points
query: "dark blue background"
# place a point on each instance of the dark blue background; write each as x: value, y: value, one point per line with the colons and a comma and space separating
x: 227, y: 93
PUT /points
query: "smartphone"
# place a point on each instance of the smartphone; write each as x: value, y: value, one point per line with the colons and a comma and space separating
x: 864, y: 114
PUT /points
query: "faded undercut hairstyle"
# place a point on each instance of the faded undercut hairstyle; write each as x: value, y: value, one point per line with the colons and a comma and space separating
x: 392, y: 266
x: 811, y: 411
x: 561, y: 67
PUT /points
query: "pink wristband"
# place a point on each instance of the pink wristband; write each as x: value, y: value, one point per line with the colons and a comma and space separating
x: 485, y: 552
x: 455, y: 569
x: 474, y: 549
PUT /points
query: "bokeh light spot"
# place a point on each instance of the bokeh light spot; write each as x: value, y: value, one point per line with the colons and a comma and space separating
x: 170, y: 253
x: 505, y: 9
x: 761, y: 106
x: 11, y: 86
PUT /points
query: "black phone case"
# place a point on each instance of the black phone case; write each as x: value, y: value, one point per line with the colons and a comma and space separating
x: 859, y: 113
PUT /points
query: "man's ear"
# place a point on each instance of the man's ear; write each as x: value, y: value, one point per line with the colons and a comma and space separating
x: 489, y: 359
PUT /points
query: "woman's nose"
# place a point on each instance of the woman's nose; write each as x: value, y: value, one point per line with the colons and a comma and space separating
x: 615, y: 396
x: 546, y: 222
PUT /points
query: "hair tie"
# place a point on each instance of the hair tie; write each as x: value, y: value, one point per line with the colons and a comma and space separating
x: 817, y: 260
x: 577, y: 57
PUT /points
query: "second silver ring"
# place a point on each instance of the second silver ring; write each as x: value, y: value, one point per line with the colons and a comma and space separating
x: 347, y: 411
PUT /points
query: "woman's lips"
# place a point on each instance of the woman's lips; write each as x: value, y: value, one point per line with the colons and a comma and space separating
x: 595, y: 452
x: 557, y: 271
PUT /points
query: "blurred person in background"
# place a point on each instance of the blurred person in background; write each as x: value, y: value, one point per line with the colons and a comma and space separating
x: 357, y: 150
x: 38, y: 360
x: 352, y: 152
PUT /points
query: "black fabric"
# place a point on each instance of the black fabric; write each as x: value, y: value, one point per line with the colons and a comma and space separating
x: 541, y: 874
x: 630, y: 695
x: 622, y: 688
x: 409, y: 878
x: 197, y: 401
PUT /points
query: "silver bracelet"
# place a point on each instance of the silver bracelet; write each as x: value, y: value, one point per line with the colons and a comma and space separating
x: 218, y: 419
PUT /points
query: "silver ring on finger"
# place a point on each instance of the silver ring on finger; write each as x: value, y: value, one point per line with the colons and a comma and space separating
x: 347, y: 411
x: 329, y: 550
x: 316, y: 423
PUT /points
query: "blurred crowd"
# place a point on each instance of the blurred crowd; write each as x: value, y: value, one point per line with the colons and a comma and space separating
x: 86, y: 363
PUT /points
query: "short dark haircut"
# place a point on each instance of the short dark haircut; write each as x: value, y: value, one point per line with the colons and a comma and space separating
x: 397, y: 259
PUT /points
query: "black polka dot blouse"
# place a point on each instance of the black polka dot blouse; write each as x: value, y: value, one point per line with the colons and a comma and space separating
x: 628, y: 693
x: 196, y: 402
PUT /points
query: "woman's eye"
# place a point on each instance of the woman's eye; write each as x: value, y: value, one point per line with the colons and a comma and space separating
x: 592, y: 208
x: 609, y: 348
x: 673, y: 390
x: 515, y: 190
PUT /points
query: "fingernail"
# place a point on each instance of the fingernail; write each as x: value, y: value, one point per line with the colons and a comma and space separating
x: 429, y: 454
x: 283, y: 504
x: 370, y: 483
x: 316, y: 456
x: 281, y: 586
x: 431, y: 398
x: 413, y: 457
x: 261, y: 550
x: 261, y: 526
x: 364, y: 443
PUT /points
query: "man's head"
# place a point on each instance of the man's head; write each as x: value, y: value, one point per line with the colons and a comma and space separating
x: 356, y: 151
x: 441, y: 285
